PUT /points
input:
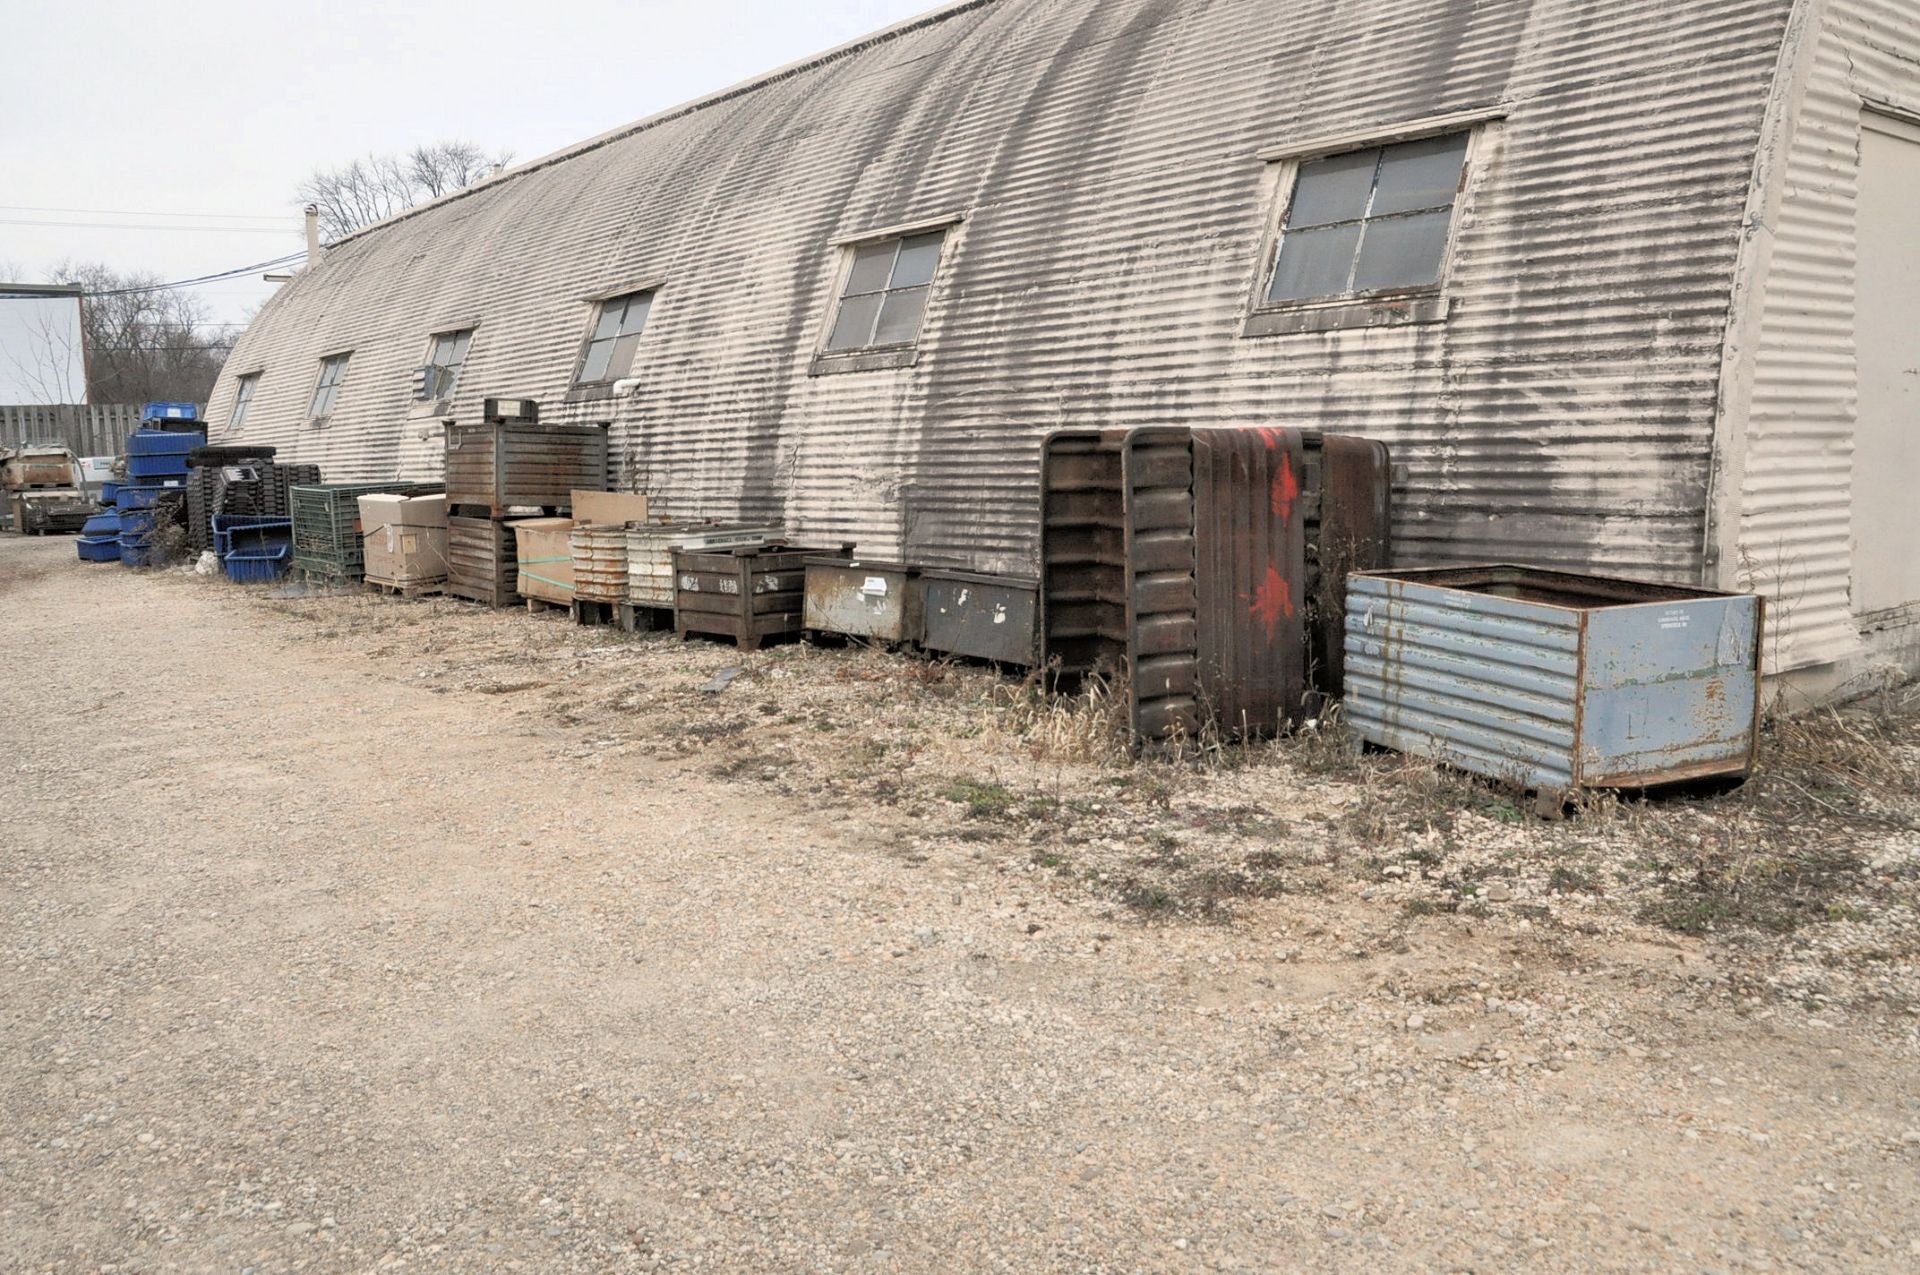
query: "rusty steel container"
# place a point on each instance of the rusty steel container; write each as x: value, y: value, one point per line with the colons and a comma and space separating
x: 748, y: 594
x: 1214, y: 560
x: 502, y: 467
x: 599, y: 562
x: 650, y: 554
x: 1555, y: 681
x: 1117, y: 595
x: 982, y: 617
x: 878, y: 601
x: 482, y: 561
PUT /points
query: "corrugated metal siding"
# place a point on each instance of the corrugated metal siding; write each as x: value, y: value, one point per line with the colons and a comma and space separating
x: 1107, y: 157
x: 1795, y: 528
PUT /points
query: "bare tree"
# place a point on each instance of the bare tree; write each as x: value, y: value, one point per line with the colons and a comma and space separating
x: 374, y: 188
x: 47, y: 363
x: 144, y: 342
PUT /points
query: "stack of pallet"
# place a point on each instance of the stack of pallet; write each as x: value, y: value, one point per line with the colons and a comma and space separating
x: 511, y: 467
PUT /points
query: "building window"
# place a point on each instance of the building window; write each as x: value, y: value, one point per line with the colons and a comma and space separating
x: 616, y: 333
x: 885, y: 297
x: 242, y: 398
x: 444, y: 361
x: 333, y: 370
x: 1369, y: 223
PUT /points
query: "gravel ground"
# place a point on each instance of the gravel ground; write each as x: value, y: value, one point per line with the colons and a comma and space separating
x: 346, y: 934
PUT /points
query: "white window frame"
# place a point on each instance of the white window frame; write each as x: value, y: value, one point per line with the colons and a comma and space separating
x: 342, y: 359
x: 244, y: 387
x: 599, y: 387
x: 430, y: 399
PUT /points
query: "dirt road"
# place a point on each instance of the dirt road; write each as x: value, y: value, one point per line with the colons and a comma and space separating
x: 316, y: 961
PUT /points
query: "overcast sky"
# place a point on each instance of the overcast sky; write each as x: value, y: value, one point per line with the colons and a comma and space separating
x: 202, y: 116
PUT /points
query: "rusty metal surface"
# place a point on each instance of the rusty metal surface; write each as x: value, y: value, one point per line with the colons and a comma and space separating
x: 749, y: 594
x: 650, y: 554
x: 879, y: 601
x: 1349, y: 528
x: 1249, y: 532
x: 982, y: 617
x: 1105, y: 154
x: 1117, y: 569
x: 1552, y: 680
x: 482, y: 561
x: 503, y: 467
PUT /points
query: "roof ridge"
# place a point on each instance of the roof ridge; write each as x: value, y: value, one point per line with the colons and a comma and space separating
x: 814, y: 61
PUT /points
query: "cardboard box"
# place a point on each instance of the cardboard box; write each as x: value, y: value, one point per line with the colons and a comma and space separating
x: 545, y: 548
x: 609, y: 507
x: 405, y: 538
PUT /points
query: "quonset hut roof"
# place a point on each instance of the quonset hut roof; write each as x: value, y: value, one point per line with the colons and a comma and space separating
x: 1111, y: 164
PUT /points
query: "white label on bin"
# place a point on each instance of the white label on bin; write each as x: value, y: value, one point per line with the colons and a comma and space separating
x: 875, y: 585
x: 1000, y: 613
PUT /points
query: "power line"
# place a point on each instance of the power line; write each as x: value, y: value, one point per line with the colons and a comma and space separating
x: 235, y: 273
x: 146, y: 212
x: 150, y: 225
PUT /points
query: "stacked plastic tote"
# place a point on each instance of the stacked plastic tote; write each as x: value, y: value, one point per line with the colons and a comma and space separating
x: 100, y: 538
x: 253, y: 548
x: 155, y: 488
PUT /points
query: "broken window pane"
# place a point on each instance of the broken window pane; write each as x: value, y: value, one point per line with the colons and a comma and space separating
x: 1333, y: 189
x: 855, y: 325
x: 1314, y: 263
x: 1423, y: 174
x: 900, y: 316
x: 1402, y: 252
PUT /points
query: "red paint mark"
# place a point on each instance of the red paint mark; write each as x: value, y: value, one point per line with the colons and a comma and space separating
x: 1286, y: 490
x: 1269, y: 435
x: 1272, y: 602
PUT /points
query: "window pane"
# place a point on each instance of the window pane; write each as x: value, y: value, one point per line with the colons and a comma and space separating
x: 608, y: 325
x: 1423, y: 174
x: 854, y: 327
x: 460, y: 342
x: 635, y: 318
x: 620, y: 362
x: 1314, y: 263
x: 1403, y: 252
x: 1333, y: 189
x: 900, y: 316
x: 918, y: 256
x: 595, y: 368
x: 444, y: 380
x: 872, y: 265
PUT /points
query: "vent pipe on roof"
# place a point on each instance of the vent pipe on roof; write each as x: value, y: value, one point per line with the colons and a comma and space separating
x: 313, y: 234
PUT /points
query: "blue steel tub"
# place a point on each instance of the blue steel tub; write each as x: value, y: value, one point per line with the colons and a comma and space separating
x: 1555, y: 681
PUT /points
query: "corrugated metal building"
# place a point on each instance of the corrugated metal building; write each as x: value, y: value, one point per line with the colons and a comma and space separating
x: 852, y: 296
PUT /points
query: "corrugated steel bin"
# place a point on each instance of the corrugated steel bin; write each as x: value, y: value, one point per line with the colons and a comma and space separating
x: 748, y: 595
x: 879, y: 601
x: 482, y: 561
x: 982, y: 617
x: 1552, y: 680
x: 650, y: 554
x: 499, y: 467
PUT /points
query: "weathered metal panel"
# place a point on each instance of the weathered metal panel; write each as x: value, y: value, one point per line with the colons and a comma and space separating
x: 1105, y: 156
x: 748, y: 595
x: 1554, y: 681
x: 1250, y: 556
x: 983, y: 617
x: 1349, y: 517
x: 650, y: 554
x: 1794, y: 446
x: 501, y: 467
x: 482, y: 563
x: 1117, y: 594
x: 880, y: 601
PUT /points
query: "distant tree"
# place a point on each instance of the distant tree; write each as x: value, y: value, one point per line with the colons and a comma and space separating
x: 374, y: 188
x: 144, y: 343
